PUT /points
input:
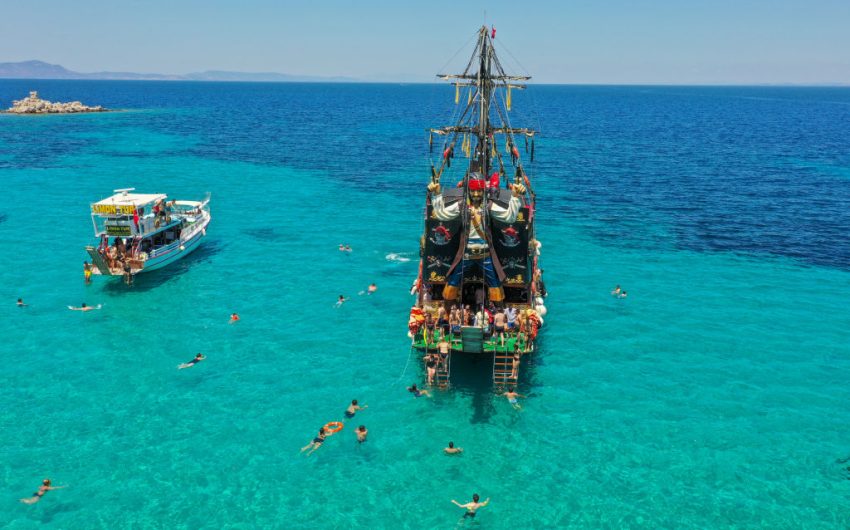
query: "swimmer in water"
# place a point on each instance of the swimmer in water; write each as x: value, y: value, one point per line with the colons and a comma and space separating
x: 452, y: 450
x: 44, y: 488
x: 234, y: 318
x: 472, y: 507
x: 623, y: 294
x: 361, y: 433
x: 616, y: 291
x: 317, y: 441
x: 353, y: 408
x: 416, y: 392
x: 84, y: 307
x: 198, y: 358
x: 21, y: 302
x: 512, y: 398
x: 372, y: 288
x: 341, y: 300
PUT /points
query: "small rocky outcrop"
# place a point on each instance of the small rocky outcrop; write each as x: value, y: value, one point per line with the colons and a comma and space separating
x: 34, y: 105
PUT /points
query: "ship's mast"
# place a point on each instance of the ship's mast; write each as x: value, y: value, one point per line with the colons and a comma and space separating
x: 485, y: 89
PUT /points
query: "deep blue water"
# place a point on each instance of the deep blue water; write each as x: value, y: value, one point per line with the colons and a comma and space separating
x: 714, y: 396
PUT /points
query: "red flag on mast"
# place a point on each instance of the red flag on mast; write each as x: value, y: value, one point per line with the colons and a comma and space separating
x: 493, y: 34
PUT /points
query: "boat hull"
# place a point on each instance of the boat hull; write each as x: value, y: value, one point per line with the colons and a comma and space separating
x: 161, y: 257
x: 175, y: 251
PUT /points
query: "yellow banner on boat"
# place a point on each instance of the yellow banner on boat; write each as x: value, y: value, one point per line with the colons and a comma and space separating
x: 113, y: 209
x: 113, y: 230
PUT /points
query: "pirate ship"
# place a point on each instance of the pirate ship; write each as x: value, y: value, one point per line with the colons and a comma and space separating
x: 479, y: 254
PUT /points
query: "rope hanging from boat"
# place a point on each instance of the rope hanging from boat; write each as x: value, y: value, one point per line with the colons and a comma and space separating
x: 508, y: 98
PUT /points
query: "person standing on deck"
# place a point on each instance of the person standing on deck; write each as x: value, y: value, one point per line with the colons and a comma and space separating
x: 476, y: 250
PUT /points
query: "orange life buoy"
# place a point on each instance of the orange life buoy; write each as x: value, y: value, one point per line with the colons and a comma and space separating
x: 333, y: 426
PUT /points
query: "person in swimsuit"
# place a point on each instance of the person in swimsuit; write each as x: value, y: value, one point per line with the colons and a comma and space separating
x: 454, y: 320
x: 234, y: 318
x: 623, y: 294
x: 512, y: 398
x: 44, y: 488
x: 353, y: 408
x: 500, y: 323
x: 317, y: 441
x: 431, y: 367
x: 472, y: 507
x: 416, y: 392
x: 372, y: 288
x: 341, y: 300
x: 198, y: 358
x: 452, y: 450
x: 616, y: 291
x: 87, y: 271
x: 444, y: 347
x: 21, y: 302
x: 83, y: 307
x: 361, y: 433
x: 515, y: 362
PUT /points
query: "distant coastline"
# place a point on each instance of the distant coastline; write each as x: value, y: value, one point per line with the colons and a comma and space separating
x: 43, y: 70
x: 40, y: 70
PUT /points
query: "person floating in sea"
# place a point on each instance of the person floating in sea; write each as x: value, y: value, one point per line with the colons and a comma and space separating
x: 344, y: 248
x: 616, y: 291
x: 341, y: 300
x: 361, y: 433
x: 198, y: 358
x: 44, y: 488
x: 372, y: 288
x: 416, y: 392
x: 472, y: 507
x: 452, y: 450
x: 234, y: 318
x: 317, y: 441
x: 21, y: 303
x: 353, y: 408
x: 84, y: 307
x: 623, y: 294
x: 512, y: 398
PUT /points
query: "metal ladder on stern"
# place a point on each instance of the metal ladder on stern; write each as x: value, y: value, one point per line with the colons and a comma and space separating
x: 503, y: 367
x: 441, y: 377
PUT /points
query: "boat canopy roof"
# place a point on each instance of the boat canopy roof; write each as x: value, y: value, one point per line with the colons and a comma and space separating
x: 132, y: 199
x: 190, y: 204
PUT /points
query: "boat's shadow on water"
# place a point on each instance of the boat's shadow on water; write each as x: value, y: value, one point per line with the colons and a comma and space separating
x: 151, y: 280
x: 472, y: 375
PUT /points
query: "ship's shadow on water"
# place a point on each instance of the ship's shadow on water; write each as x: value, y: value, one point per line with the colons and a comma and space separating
x: 472, y: 375
x: 151, y: 280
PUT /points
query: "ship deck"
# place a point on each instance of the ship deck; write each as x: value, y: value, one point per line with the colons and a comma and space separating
x: 491, y: 344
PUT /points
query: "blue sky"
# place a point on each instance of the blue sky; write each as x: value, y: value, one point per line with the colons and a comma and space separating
x: 573, y: 41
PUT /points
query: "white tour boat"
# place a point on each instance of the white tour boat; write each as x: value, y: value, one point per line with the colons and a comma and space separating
x: 143, y: 232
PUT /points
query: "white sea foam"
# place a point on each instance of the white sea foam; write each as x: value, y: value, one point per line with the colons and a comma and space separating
x: 401, y: 258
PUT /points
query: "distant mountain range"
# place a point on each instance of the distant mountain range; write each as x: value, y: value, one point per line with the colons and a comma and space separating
x: 42, y: 70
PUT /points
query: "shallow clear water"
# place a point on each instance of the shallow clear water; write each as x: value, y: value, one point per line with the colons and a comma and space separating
x: 714, y: 396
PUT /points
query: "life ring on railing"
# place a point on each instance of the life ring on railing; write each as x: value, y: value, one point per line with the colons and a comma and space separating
x: 333, y: 426
x: 143, y: 256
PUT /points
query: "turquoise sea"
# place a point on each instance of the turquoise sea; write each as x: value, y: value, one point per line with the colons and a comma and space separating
x: 715, y: 396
